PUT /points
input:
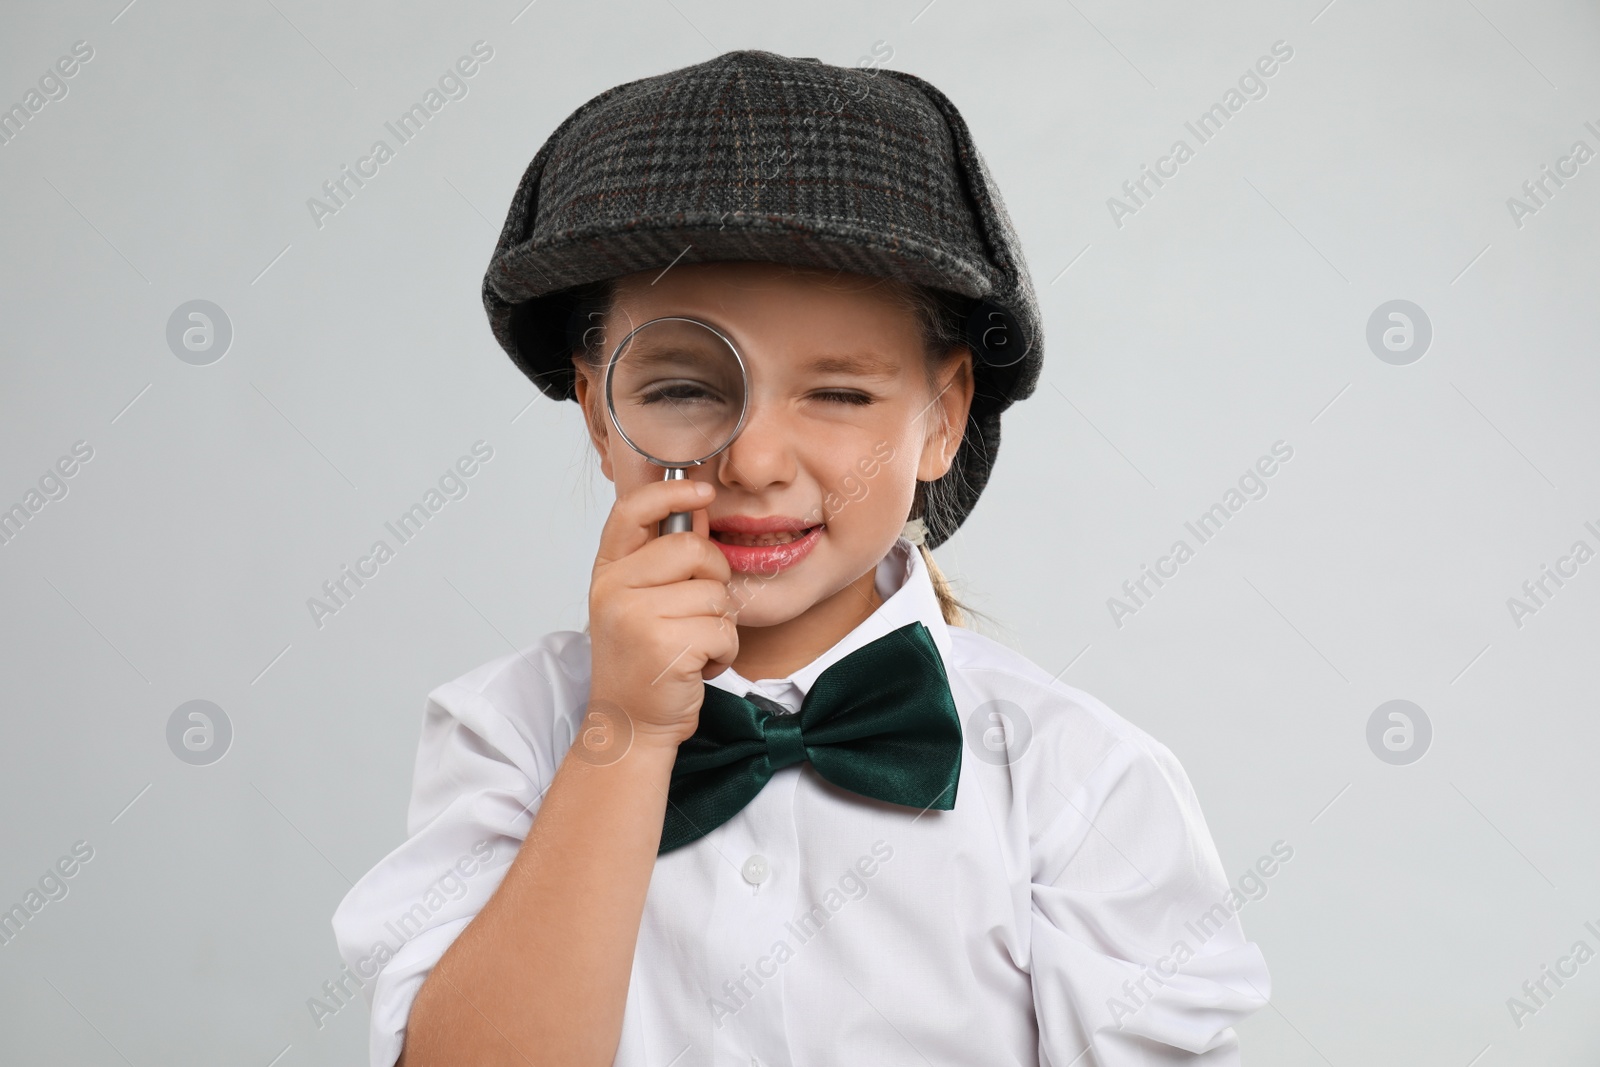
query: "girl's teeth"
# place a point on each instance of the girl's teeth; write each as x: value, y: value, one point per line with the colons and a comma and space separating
x: 759, y: 540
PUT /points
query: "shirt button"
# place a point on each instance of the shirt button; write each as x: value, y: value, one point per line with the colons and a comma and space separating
x: 755, y: 869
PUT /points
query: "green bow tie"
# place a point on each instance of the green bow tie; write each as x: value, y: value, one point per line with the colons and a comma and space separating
x: 880, y: 722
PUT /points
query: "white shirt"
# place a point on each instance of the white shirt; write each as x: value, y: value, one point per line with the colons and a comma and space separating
x: 1072, y: 896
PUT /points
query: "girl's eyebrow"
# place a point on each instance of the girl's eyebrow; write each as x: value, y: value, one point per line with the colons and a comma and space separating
x: 864, y: 365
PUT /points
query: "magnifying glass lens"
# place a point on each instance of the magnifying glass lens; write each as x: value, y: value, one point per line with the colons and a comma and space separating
x: 677, y: 391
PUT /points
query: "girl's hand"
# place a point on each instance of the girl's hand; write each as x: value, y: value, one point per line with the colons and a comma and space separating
x: 661, y: 613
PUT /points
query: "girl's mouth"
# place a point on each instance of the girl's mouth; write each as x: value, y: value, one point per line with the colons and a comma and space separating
x: 766, y: 553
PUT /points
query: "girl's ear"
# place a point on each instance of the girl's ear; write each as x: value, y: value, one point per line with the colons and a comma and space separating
x: 947, y: 414
x: 589, y: 401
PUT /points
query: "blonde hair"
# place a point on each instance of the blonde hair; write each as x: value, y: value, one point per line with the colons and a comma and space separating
x: 942, y: 317
x: 953, y: 610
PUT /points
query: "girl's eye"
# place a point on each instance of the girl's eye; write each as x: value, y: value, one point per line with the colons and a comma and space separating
x: 677, y: 392
x: 845, y: 396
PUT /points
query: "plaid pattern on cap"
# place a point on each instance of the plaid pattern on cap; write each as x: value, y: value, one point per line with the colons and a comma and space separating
x: 757, y: 156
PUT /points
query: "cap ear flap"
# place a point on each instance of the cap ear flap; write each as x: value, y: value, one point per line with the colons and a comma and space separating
x: 995, y: 336
x: 500, y: 297
x: 1004, y: 330
x: 530, y: 334
x: 539, y: 344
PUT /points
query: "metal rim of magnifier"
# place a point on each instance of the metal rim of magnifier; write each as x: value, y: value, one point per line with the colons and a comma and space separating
x: 744, y: 405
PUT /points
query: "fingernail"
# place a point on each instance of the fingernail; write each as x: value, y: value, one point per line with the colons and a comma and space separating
x: 702, y: 490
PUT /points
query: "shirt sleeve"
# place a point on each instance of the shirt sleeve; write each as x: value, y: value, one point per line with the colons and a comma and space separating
x: 1137, y: 948
x: 477, y: 786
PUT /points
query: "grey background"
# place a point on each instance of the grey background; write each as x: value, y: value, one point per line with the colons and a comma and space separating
x: 1228, y: 313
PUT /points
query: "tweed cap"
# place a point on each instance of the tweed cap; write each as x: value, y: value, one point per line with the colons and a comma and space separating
x: 757, y: 156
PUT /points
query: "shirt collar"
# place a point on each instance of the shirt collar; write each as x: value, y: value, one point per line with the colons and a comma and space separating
x: 908, y: 596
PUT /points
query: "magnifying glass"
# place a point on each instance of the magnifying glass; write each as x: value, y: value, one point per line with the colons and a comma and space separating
x: 677, y: 391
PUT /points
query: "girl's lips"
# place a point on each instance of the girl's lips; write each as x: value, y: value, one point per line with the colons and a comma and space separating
x: 769, y: 559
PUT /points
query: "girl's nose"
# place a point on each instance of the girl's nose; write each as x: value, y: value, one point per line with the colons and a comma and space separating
x: 763, y: 453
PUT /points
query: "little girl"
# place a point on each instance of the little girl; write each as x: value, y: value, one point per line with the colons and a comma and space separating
x: 777, y: 805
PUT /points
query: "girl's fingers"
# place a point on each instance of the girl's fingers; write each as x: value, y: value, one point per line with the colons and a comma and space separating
x: 636, y: 514
x: 678, y: 557
x: 696, y: 597
x: 661, y: 607
x: 718, y: 640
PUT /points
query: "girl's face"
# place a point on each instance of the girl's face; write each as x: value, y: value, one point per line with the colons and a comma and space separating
x: 841, y: 423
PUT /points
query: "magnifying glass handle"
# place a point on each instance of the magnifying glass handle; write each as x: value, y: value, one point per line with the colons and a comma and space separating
x: 678, y: 521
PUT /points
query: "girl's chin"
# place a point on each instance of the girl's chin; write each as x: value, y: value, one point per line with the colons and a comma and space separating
x: 768, y: 600
x: 772, y: 602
